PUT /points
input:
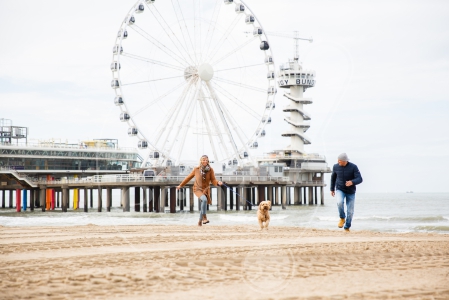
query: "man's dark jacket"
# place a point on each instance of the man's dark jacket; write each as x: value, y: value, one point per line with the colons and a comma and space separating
x: 342, y: 174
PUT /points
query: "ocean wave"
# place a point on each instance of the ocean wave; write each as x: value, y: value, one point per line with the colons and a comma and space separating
x: 432, y: 228
x: 252, y: 218
x: 392, y: 218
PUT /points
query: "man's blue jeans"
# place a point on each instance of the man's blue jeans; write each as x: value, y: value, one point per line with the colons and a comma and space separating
x: 350, y: 199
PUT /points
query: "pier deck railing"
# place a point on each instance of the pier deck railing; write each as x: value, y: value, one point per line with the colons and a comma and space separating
x: 96, y: 179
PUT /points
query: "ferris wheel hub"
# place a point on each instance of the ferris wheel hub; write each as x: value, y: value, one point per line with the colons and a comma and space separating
x: 206, y: 72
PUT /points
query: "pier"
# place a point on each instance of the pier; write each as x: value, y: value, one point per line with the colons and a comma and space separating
x: 156, y: 194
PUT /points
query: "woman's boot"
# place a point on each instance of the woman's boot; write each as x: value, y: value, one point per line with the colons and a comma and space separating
x: 200, y: 223
x: 205, y: 220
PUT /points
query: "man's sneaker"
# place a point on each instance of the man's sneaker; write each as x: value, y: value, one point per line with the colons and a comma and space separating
x: 341, y: 223
x: 347, y: 229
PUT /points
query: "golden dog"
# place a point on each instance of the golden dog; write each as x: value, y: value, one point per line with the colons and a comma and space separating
x: 263, y: 214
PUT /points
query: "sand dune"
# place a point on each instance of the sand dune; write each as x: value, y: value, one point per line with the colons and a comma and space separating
x: 212, y: 262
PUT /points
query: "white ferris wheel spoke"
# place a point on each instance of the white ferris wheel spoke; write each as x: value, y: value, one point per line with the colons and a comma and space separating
x: 157, y: 99
x: 241, y: 67
x: 189, y: 105
x: 168, y: 34
x: 152, y: 61
x: 186, y: 127
x: 224, y: 37
x: 170, y: 113
x: 181, y: 28
x: 213, y: 20
x: 159, y: 45
x: 223, y: 119
x: 235, y: 127
x: 151, y: 80
x: 208, y: 128
x: 234, y: 51
x: 216, y: 127
x: 240, y: 84
x: 235, y: 100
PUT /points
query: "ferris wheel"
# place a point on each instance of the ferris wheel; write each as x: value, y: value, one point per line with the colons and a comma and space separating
x: 192, y: 78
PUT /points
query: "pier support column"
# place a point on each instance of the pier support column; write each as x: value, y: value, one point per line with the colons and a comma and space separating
x: 100, y: 199
x: 65, y: 196
x: 3, y: 198
x: 86, y: 206
x: 137, y: 199
x: 305, y: 195
x: 53, y: 200
x: 231, y: 198
x: 18, y: 198
x: 288, y: 195
x: 24, y: 199
x: 238, y: 199
x: 296, y: 195
x: 219, y: 199
x: 91, y: 197
x: 261, y: 194
x: 284, y: 196
x: 224, y: 197
x: 316, y: 195
x: 32, y: 198
x: 191, y: 200
x: 108, y: 199
x: 276, y: 195
x: 244, y: 198
x: 58, y: 203
x: 37, y: 202
x: 172, y: 200
x: 144, y: 199
x: 11, y: 193
x: 253, y: 197
x: 125, y: 199
x: 310, y: 198
x: 42, y: 193
x: 270, y: 194
x: 322, y: 194
x: 181, y: 197
x: 157, y: 198
x: 163, y: 199
x: 150, y: 200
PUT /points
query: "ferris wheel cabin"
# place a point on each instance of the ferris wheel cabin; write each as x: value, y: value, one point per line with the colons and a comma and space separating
x: 130, y: 21
x: 142, y: 144
x: 122, y: 33
x: 132, y: 131
x: 115, y: 84
x: 249, y: 19
x: 140, y: 9
x: 257, y: 31
x: 264, y: 45
x: 124, y: 117
x: 118, y: 100
x: 239, y: 8
x: 115, y: 66
x: 117, y: 49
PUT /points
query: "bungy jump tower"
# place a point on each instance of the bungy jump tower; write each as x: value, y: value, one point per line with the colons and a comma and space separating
x: 305, y: 170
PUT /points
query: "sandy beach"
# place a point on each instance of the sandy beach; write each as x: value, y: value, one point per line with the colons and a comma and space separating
x: 220, y: 262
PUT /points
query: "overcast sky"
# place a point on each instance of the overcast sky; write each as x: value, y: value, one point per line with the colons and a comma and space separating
x: 381, y: 94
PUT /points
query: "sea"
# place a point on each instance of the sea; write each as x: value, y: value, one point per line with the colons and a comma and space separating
x: 377, y: 212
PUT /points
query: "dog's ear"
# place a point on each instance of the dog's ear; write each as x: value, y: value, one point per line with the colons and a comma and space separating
x: 269, y: 202
x: 260, y: 205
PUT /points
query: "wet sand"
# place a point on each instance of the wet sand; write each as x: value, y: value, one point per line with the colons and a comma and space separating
x: 220, y: 262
